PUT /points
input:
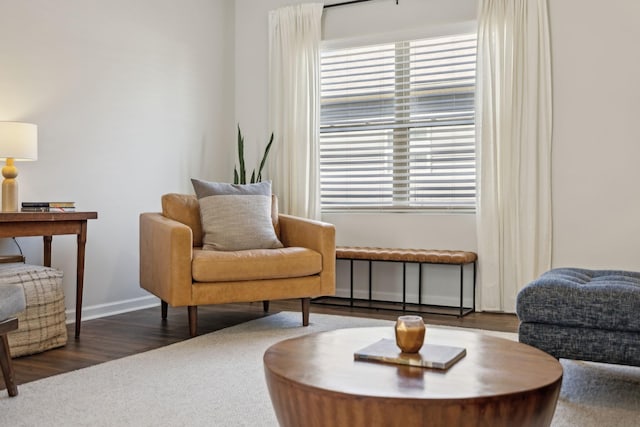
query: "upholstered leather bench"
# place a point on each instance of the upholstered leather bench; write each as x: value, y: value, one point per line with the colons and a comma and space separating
x: 405, y: 256
x: 583, y: 314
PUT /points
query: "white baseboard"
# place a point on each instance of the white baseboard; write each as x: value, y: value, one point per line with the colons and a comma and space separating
x: 109, y: 309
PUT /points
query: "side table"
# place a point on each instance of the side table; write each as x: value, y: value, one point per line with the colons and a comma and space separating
x: 47, y: 225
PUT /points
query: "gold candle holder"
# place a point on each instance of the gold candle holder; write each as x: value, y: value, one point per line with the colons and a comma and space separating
x: 410, y: 333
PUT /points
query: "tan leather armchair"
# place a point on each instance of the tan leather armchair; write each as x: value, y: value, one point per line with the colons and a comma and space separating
x: 175, y: 268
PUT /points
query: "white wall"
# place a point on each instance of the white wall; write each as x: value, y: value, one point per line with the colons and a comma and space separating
x: 132, y: 98
x: 596, y: 142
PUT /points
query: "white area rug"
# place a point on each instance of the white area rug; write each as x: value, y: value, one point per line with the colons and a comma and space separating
x: 218, y: 380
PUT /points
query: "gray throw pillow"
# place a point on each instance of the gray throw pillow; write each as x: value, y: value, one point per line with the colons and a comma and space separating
x: 236, y: 217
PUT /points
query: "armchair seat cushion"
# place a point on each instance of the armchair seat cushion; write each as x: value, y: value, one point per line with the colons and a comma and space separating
x: 254, y: 264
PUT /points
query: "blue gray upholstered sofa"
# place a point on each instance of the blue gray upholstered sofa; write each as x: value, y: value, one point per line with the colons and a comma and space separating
x: 582, y: 314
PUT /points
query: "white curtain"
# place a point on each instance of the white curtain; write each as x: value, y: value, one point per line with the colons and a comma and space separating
x: 514, y: 148
x: 294, y: 106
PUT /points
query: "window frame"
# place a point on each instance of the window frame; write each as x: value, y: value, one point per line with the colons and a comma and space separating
x: 401, y: 144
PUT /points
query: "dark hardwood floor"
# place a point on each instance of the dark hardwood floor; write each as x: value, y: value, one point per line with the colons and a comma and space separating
x: 134, y: 332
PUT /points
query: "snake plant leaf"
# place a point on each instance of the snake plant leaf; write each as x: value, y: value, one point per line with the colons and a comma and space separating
x: 264, y: 158
x: 242, y: 173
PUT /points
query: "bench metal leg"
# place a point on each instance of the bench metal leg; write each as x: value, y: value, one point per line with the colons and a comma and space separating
x: 351, y: 282
x: 474, y: 286
x: 404, y: 286
x: 461, y: 290
x: 420, y: 284
x: 460, y: 311
x: 370, y: 281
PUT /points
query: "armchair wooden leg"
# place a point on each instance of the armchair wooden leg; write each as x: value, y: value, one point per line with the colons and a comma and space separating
x: 306, y: 305
x: 193, y: 319
x: 265, y: 306
x: 5, y: 356
x: 163, y: 307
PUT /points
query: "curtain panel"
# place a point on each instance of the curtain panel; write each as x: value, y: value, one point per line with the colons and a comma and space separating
x: 294, y: 106
x: 514, y: 124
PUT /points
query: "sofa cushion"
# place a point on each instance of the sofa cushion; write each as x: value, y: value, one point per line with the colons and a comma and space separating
x: 602, y: 299
x: 255, y: 264
x: 236, y: 217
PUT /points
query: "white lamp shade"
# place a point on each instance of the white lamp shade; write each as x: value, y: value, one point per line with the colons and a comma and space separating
x: 18, y: 141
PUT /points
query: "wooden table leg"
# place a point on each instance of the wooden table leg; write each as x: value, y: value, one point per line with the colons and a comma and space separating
x: 47, y: 250
x: 82, y: 240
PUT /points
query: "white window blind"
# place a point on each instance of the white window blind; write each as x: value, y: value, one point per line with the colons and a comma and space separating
x: 397, y: 125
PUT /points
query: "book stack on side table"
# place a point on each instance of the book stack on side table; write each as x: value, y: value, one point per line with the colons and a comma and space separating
x: 48, y: 207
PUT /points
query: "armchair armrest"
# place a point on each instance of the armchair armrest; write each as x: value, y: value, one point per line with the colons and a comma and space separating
x: 166, y: 250
x: 317, y: 235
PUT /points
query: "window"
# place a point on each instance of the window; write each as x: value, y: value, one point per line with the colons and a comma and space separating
x: 397, y: 125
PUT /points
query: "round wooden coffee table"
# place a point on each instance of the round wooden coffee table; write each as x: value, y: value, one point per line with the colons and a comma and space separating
x: 314, y: 380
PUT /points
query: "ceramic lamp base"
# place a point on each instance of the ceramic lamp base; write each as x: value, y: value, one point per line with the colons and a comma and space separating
x: 9, y: 187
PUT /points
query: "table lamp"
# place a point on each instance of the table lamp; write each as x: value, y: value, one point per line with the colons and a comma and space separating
x: 18, y: 141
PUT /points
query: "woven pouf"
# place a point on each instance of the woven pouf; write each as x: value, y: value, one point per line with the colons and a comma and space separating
x: 41, y: 326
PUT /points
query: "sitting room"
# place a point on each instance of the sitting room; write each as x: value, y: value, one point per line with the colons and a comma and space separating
x: 425, y: 158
